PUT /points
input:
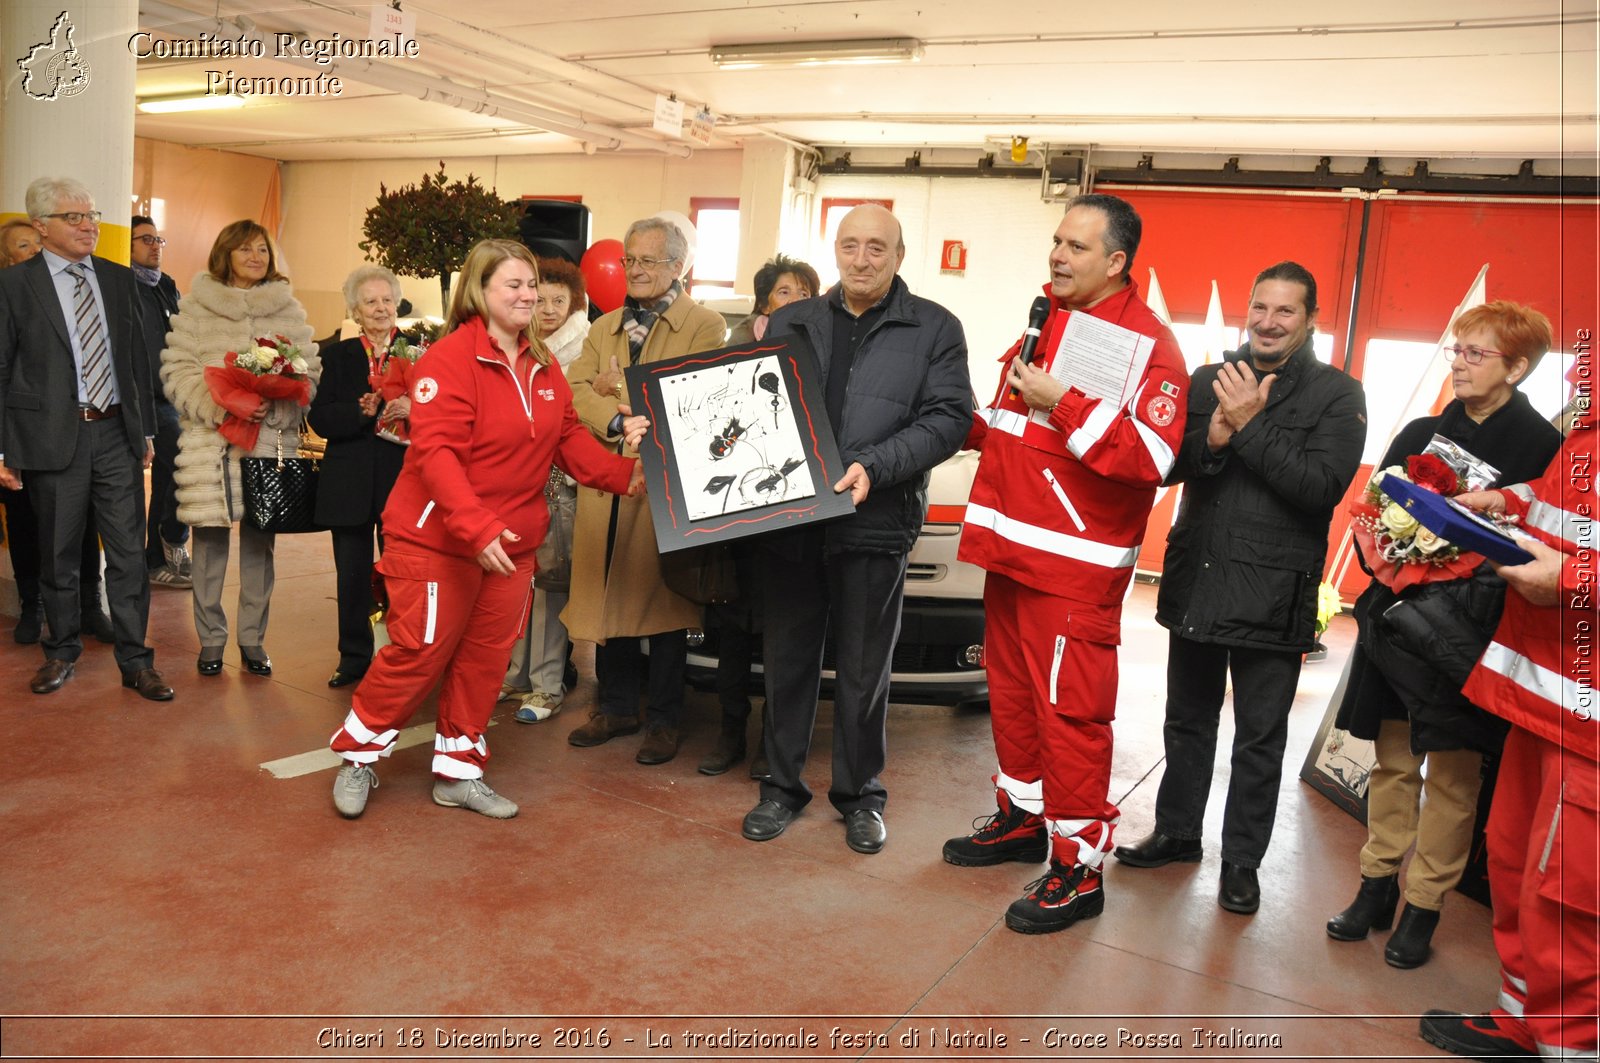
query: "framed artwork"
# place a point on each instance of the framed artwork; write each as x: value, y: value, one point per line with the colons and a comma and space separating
x: 1339, y: 765
x: 739, y: 443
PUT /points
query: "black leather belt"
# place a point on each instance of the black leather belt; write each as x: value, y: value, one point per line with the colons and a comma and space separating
x: 89, y: 413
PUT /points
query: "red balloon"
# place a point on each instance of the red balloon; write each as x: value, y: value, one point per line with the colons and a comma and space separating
x: 603, y: 274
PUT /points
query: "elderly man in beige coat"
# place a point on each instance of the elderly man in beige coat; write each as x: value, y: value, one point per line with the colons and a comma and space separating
x: 618, y: 598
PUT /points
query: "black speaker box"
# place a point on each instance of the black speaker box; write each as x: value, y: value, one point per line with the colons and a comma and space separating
x: 555, y: 228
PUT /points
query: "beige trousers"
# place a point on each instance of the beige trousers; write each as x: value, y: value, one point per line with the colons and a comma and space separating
x: 1434, y: 812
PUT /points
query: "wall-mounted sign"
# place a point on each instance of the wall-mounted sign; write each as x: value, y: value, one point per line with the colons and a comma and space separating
x: 953, y: 259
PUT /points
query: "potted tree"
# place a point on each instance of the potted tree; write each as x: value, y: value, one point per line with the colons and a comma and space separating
x: 426, y: 229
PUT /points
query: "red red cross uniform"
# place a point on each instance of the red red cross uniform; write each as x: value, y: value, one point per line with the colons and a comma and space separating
x: 1056, y: 517
x: 1544, y: 828
x: 482, y: 443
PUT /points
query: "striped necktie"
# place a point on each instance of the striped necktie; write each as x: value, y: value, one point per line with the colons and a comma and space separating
x: 92, y: 339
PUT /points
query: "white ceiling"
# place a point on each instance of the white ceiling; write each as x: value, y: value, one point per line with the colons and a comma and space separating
x: 1437, y: 78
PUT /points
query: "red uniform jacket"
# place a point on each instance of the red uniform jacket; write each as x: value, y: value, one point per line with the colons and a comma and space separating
x: 482, y: 443
x: 1539, y: 671
x: 1063, y: 509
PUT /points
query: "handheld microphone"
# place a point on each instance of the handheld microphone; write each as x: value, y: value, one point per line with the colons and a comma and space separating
x: 1036, y: 317
x: 1030, y: 339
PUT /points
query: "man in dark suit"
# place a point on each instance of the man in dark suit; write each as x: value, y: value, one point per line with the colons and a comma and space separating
x: 76, y: 419
x: 165, y: 555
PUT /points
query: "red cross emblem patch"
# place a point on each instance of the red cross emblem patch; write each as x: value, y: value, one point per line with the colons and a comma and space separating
x: 1161, y: 411
x: 425, y: 390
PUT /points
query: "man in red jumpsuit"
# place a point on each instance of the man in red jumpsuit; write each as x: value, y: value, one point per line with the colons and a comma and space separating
x: 1056, y: 516
x: 1539, y: 673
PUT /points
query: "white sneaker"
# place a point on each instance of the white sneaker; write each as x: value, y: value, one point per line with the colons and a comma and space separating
x: 473, y: 795
x: 538, y: 707
x: 351, y: 787
x: 511, y: 693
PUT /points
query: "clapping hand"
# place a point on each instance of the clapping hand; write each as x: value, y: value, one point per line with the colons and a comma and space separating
x: 1239, y: 396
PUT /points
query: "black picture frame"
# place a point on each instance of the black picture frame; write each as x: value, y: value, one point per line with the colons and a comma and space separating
x: 751, y: 416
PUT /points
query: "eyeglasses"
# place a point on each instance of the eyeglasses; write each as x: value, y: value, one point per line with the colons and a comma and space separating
x: 76, y: 217
x: 629, y: 261
x: 151, y: 241
x: 1472, y: 355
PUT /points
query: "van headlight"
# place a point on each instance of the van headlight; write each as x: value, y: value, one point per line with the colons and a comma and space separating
x: 972, y: 656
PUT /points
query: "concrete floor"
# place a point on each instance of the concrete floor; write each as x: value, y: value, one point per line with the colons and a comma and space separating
x: 164, y: 896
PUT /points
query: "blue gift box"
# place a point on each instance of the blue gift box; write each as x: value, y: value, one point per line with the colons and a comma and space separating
x: 1454, y: 523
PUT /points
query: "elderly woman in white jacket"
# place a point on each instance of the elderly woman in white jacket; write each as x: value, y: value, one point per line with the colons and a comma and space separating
x: 240, y: 297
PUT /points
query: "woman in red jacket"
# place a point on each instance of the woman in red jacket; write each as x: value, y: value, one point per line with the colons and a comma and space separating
x: 490, y: 413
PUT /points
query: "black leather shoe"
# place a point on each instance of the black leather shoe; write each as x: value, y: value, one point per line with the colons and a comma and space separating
x: 149, y: 684
x: 864, y: 831
x: 767, y: 820
x: 1240, y: 891
x: 209, y: 665
x: 256, y: 665
x: 339, y: 678
x: 48, y: 679
x: 1158, y: 849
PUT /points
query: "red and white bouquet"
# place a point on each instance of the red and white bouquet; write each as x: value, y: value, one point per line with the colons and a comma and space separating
x: 272, y: 369
x: 1400, y: 551
x: 395, y: 382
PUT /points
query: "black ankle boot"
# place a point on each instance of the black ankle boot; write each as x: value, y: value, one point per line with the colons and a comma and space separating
x: 1409, y: 944
x: 1373, y: 908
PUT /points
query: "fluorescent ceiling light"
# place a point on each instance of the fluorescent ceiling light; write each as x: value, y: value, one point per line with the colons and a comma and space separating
x: 190, y: 101
x: 817, y: 53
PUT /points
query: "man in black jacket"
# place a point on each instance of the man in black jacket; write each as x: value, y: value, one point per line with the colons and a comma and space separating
x: 1274, y: 438
x: 895, y: 383
x: 165, y: 553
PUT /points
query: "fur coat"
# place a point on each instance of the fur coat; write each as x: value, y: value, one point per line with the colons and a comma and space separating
x: 212, y: 320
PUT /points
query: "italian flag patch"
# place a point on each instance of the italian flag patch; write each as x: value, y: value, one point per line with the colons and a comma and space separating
x: 1169, y: 388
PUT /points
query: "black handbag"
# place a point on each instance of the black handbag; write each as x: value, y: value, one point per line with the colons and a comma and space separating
x: 280, y: 494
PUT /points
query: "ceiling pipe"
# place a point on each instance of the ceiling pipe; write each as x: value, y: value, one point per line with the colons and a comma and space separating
x: 435, y: 89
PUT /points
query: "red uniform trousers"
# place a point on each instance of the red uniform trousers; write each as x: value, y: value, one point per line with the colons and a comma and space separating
x: 1052, y: 667
x: 447, y: 618
x: 1542, y: 879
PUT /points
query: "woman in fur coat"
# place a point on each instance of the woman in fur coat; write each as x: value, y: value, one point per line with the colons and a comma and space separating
x: 240, y: 297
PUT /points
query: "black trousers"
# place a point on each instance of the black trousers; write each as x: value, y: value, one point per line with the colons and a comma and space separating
x: 619, y: 664
x: 858, y: 596
x: 162, y: 524
x: 22, y: 542
x: 105, y: 473
x: 352, y: 567
x: 1264, y: 682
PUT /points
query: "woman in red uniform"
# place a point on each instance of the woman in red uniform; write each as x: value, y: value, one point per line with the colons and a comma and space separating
x: 490, y: 413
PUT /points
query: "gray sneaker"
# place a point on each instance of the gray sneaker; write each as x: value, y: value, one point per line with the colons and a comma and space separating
x: 351, y: 787
x: 473, y: 795
x: 167, y: 576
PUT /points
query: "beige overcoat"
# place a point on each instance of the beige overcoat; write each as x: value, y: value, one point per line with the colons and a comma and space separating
x: 630, y: 599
